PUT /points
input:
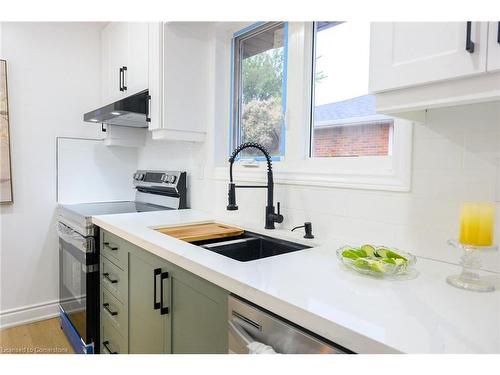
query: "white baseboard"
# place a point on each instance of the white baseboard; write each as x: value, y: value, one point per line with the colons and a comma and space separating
x: 29, y: 314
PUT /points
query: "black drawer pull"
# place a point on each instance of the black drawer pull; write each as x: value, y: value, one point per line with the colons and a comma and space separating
x: 163, y: 309
x: 469, y: 44
x: 498, y: 33
x: 106, y: 276
x: 105, y: 344
x: 110, y: 247
x: 156, y: 272
x: 111, y: 312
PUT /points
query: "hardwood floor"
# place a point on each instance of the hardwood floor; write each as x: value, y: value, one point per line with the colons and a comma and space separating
x: 43, y: 337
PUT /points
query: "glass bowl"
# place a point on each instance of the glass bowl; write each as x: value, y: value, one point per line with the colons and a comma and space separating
x: 374, y: 265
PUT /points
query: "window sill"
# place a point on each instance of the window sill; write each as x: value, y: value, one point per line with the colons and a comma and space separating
x: 317, y: 176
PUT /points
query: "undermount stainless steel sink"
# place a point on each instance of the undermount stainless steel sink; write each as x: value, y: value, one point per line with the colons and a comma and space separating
x: 250, y: 246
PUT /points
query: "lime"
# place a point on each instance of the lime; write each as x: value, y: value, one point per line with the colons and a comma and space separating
x: 362, y: 263
x: 378, y: 266
x: 394, y: 255
x: 399, y: 261
x: 368, y: 249
x: 350, y: 254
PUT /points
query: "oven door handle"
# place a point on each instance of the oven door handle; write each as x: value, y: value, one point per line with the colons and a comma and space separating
x: 84, y: 244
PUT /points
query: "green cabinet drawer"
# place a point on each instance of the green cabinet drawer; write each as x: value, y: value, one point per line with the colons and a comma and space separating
x: 115, y: 249
x: 111, y: 340
x: 115, y: 312
x: 114, y: 279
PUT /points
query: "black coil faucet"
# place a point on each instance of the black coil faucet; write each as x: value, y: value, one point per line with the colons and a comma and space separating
x: 271, y: 216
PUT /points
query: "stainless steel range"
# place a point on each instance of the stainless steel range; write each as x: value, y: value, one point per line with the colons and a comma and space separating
x: 79, y: 255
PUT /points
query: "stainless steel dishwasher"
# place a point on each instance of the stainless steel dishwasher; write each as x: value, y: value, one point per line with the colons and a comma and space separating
x: 248, y: 323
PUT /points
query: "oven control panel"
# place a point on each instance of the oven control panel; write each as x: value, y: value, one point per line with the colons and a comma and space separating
x: 154, y: 186
x: 156, y: 177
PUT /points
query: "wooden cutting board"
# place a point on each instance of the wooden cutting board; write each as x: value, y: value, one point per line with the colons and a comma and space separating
x: 201, y: 232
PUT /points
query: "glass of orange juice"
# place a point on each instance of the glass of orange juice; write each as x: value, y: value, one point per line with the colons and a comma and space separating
x: 477, y: 222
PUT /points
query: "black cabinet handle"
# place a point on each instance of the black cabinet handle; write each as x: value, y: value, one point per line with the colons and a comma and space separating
x: 148, y: 109
x: 163, y: 309
x: 105, y: 344
x: 156, y: 272
x: 124, y: 69
x: 498, y: 33
x: 112, y: 281
x: 120, y: 79
x: 469, y: 44
x: 107, y: 244
x: 111, y: 312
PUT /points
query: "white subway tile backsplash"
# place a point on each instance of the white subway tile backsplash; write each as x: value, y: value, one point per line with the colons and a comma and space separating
x: 314, y: 199
x: 390, y: 208
x: 440, y: 154
x: 455, y: 158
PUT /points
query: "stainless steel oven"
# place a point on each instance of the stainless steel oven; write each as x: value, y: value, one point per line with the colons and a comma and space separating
x: 78, y: 288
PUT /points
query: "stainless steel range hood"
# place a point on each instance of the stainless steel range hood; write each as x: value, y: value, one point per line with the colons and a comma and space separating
x: 130, y: 111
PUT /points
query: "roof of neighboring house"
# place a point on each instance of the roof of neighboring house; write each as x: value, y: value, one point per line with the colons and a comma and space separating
x: 361, y: 106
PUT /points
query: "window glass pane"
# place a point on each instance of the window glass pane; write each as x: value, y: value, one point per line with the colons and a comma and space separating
x: 259, y: 116
x: 344, y: 120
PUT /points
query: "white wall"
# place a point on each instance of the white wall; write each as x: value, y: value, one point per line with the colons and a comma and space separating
x: 53, y: 78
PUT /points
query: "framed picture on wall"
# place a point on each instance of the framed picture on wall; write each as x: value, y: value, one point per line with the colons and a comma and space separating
x: 6, y: 195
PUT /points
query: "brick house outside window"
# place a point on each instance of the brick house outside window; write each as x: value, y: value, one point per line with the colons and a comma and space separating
x: 351, y: 128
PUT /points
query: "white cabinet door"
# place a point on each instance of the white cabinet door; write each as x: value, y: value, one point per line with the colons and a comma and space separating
x: 186, y: 74
x: 155, y: 74
x: 179, y: 72
x: 114, y: 49
x: 404, y: 54
x: 493, y: 63
x: 124, y: 46
x: 136, y: 76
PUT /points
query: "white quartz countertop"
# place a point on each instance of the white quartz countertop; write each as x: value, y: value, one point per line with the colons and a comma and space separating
x: 312, y: 289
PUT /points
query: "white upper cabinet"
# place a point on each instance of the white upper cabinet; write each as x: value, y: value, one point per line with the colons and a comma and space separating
x: 124, y: 59
x: 136, y: 77
x: 416, y: 66
x: 114, y: 57
x: 155, y: 75
x: 404, y: 54
x: 179, y: 76
x: 493, y: 63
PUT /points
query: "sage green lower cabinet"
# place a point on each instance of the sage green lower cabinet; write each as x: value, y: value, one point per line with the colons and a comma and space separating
x: 170, y: 310
x: 149, y: 327
x: 199, y: 315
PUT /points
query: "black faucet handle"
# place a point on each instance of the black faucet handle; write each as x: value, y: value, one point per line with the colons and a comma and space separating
x: 277, y: 217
